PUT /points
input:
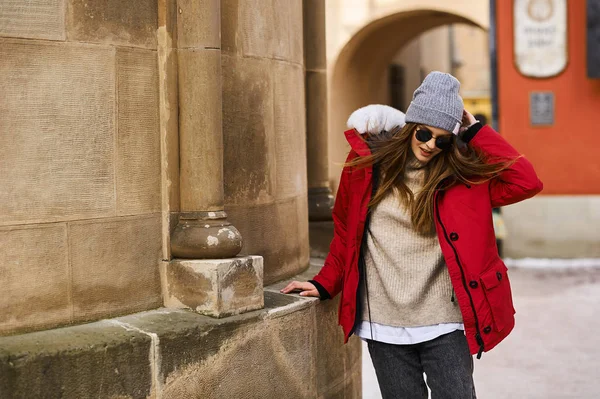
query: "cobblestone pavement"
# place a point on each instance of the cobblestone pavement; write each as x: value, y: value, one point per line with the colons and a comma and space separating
x: 554, y: 350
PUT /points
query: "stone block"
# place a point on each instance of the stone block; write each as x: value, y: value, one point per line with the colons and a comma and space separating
x: 98, y: 360
x: 274, y: 232
x: 353, y: 385
x: 271, y: 359
x: 265, y: 29
x: 248, y: 132
x: 128, y: 23
x: 35, y: 278
x: 254, y: 28
x: 186, y: 338
x: 288, y: 32
x: 329, y: 339
x: 290, y: 130
x: 200, y: 124
x: 33, y: 19
x: 56, y: 132
x: 138, y: 144
x: 353, y: 356
x: 216, y: 287
x: 115, y: 266
x: 198, y: 24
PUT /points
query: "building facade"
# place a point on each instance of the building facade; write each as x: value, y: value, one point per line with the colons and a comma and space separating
x: 154, y: 159
x: 563, y: 222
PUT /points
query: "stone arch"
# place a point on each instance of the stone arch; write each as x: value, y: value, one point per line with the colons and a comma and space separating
x: 357, y: 70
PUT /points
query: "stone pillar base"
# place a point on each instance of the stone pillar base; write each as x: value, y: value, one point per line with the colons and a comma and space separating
x: 320, y: 204
x: 216, y: 287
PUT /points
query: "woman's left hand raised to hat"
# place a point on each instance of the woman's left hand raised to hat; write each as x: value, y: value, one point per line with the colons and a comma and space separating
x: 468, y: 120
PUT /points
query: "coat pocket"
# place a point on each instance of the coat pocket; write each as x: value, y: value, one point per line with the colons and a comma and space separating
x: 496, y: 288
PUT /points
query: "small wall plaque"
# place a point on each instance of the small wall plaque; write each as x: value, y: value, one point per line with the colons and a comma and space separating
x: 540, y: 37
x: 541, y: 108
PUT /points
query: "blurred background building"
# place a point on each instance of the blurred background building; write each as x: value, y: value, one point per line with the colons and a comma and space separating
x: 380, y: 50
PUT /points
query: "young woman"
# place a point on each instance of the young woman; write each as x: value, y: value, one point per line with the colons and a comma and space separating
x: 414, y: 253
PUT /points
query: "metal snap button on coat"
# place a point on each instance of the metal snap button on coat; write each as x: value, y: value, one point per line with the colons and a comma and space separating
x: 487, y: 330
x: 473, y: 284
x: 453, y: 236
x: 499, y: 276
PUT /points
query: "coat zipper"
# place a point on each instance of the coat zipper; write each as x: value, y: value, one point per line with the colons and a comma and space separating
x: 464, y: 280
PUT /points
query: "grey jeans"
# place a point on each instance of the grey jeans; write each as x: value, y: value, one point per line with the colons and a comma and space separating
x: 445, y: 360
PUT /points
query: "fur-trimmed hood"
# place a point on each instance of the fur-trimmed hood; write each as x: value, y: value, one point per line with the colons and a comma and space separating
x: 375, y: 118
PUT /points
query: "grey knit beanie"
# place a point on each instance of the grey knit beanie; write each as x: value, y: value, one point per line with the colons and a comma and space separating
x: 437, y: 103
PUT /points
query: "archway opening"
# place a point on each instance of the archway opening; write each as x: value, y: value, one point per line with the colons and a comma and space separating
x: 361, y: 72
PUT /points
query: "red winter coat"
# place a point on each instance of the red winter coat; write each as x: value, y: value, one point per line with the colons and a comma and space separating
x: 463, y: 221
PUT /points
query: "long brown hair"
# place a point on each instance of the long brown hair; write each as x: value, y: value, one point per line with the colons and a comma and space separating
x: 391, y: 152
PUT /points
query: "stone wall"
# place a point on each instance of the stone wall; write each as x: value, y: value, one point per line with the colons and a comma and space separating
x: 291, y: 349
x: 80, y: 200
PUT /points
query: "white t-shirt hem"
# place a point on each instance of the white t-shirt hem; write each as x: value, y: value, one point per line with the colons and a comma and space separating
x: 404, y: 335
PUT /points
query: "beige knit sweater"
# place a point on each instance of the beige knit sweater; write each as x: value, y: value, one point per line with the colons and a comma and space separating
x: 407, y: 279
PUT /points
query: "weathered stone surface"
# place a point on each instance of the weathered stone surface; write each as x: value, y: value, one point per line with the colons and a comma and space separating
x: 275, y: 232
x: 269, y: 351
x: 98, y: 360
x: 331, y: 376
x: 115, y: 266
x: 314, y: 34
x: 303, y: 240
x: 287, y: 26
x: 33, y: 19
x: 267, y: 29
x: 201, y: 140
x: 290, y: 130
x: 138, y: 145
x: 316, y: 129
x: 131, y: 23
x: 35, y: 278
x: 186, y: 337
x: 248, y: 133
x: 169, y: 123
x: 320, y: 236
x: 353, y: 385
x: 57, y: 132
x: 198, y: 24
x: 216, y: 287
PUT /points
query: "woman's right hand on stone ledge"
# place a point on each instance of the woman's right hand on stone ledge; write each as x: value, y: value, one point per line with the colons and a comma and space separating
x: 305, y: 289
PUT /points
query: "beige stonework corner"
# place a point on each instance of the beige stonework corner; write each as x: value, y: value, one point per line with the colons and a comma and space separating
x: 216, y: 287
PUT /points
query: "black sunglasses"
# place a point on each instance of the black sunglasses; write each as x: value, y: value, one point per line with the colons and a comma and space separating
x: 442, y: 142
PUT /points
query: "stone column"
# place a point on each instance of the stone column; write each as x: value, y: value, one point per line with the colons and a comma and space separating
x: 203, y: 230
x: 320, y: 199
x: 212, y: 280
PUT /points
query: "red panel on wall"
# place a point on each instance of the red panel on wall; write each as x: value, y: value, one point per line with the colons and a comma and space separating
x: 566, y: 154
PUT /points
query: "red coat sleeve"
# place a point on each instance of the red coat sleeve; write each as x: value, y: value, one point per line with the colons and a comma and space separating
x: 514, y: 184
x: 331, y: 274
